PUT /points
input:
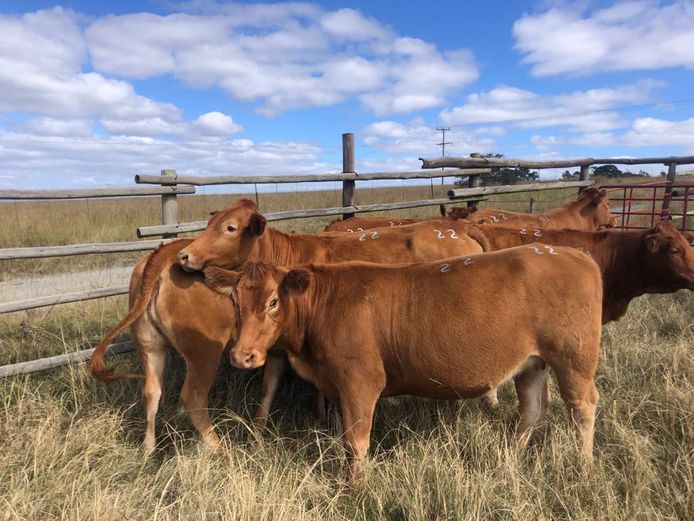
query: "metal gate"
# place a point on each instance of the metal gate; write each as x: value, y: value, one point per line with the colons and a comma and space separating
x: 640, y: 206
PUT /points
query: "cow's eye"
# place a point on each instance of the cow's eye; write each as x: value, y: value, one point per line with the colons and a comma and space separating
x: 231, y: 228
x: 674, y: 250
x: 273, y: 303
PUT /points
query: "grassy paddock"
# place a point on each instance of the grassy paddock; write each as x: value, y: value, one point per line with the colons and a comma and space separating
x: 70, y: 447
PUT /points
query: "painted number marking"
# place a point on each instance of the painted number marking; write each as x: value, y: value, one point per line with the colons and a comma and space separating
x: 442, y: 235
x: 540, y: 252
x: 537, y: 233
x: 467, y: 261
x: 445, y: 268
x: 374, y: 236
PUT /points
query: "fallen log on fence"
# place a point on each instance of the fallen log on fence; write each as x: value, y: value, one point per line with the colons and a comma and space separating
x: 38, y: 302
x: 43, y: 364
x: 487, y: 162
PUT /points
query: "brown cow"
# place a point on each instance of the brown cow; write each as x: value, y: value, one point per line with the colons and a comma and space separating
x: 633, y: 263
x: 359, y: 224
x: 590, y: 212
x: 173, y: 309
x: 358, y: 331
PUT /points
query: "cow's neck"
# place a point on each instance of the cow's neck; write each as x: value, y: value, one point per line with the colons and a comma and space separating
x: 283, y: 249
x: 619, y: 256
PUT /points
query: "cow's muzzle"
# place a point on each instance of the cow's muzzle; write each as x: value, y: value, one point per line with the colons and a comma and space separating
x: 247, y: 359
x: 187, y: 261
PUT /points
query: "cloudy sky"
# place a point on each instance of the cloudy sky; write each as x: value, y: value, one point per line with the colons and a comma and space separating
x: 93, y: 92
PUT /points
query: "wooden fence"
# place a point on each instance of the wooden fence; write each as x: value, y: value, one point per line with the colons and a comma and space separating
x: 171, y: 185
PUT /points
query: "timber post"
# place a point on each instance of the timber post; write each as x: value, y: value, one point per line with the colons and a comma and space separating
x: 348, y: 167
x: 583, y: 176
x: 169, y: 206
x: 671, y: 173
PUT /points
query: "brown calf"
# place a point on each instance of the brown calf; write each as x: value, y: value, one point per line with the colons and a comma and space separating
x: 358, y: 331
x: 173, y: 309
x: 590, y: 212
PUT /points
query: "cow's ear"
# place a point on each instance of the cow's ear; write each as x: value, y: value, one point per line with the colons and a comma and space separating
x: 221, y: 280
x: 599, y: 196
x: 655, y: 241
x: 296, y: 282
x: 689, y: 236
x: 214, y: 212
x: 257, y: 224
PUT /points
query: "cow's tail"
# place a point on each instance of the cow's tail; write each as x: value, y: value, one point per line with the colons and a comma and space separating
x: 150, y: 275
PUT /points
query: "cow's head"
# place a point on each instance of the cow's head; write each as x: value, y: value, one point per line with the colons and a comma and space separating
x: 595, y: 205
x: 264, y: 297
x: 669, y: 260
x: 228, y: 239
x: 461, y: 212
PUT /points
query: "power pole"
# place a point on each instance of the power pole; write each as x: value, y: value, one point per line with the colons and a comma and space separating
x: 443, y: 143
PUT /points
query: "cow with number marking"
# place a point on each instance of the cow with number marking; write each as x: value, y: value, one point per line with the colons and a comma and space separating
x: 589, y: 212
x: 173, y: 309
x: 360, y: 331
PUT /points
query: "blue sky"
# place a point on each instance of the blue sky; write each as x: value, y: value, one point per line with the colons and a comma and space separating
x: 94, y: 92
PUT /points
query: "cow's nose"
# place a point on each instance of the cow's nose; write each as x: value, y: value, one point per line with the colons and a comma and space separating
x: 183, y: 257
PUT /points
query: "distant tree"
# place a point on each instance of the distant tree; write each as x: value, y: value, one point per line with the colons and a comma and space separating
x: 503, y: 175
x: 613, y: 171
x: 570, y: 175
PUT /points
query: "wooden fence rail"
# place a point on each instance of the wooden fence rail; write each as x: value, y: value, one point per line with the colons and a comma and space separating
x: 52, y: 300
x: 95, y: 194
x: 76, y: 357
x: 68, y: 250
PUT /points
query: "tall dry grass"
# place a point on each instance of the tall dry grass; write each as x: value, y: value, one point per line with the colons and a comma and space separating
x: 70, y: 447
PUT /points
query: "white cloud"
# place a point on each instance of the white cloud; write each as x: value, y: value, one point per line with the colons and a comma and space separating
x: 216, y: 124
x: 112, y: 161
x: 630, y: 35
x: 523, y: 108
x: 296, y: 55
x: 653, y: 131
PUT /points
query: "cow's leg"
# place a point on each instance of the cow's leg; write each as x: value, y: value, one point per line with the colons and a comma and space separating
x: 491, y: 398
x: 357, y: 408
x: 581, y: 397
x: 318, y: 406
x: 200, y: 375
x: 272, y: 373
x: 151, y: 348
x: 531, y: 388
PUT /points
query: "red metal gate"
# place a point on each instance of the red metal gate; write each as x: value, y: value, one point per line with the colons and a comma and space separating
x: 642, y: 205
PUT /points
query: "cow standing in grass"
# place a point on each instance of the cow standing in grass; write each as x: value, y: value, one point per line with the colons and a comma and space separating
x: 446, y: 330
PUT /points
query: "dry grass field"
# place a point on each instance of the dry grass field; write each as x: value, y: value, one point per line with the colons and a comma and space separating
x: 69, y: 447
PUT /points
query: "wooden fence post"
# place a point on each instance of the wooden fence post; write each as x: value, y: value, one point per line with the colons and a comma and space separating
x: 583, y: 176
x: 531, y: 207
x: 671, y: 173
x: 473, y: 181
x: 169, y: 206
x: 348, y: 167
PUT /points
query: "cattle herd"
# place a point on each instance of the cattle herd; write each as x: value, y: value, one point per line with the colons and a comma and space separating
x: 444, y: 308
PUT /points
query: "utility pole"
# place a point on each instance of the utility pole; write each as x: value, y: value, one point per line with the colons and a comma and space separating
x: 443, y: 143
